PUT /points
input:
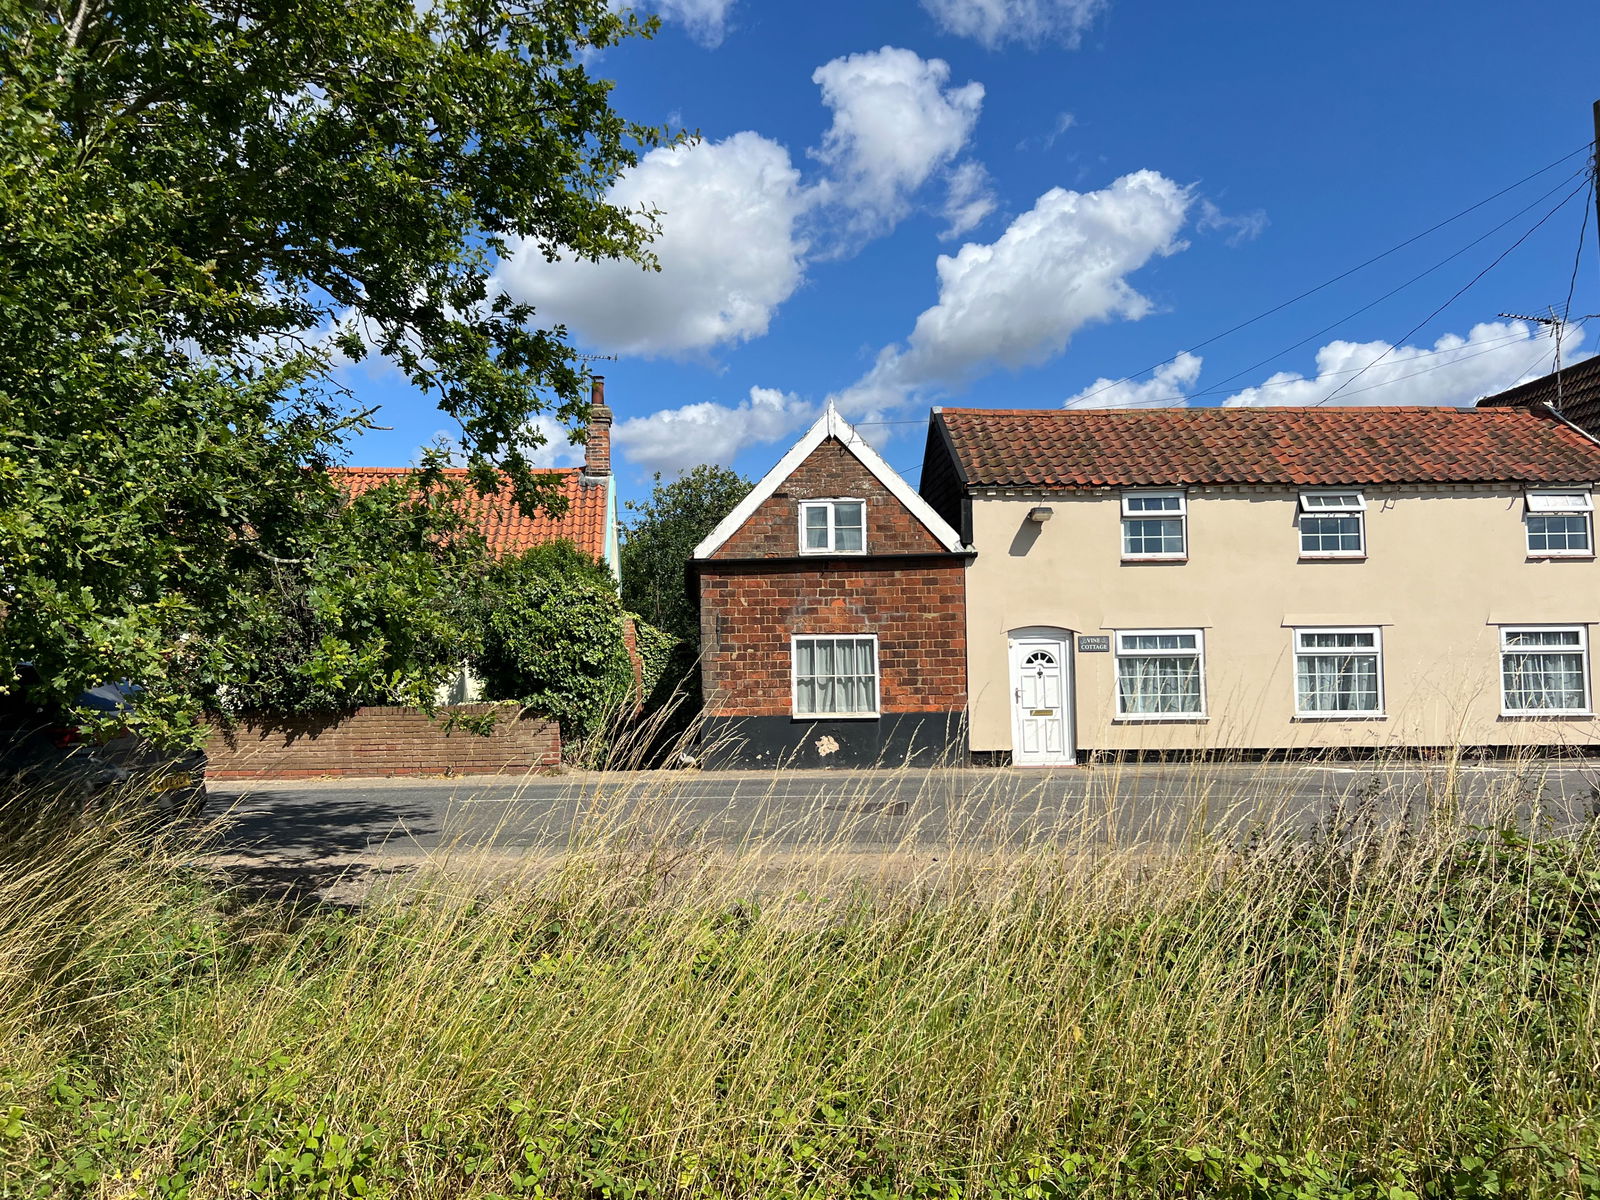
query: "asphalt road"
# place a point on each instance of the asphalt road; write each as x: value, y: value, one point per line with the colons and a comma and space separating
x: 373, y: 822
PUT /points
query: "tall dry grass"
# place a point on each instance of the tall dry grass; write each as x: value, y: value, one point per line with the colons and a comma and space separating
x: 1403, y: 997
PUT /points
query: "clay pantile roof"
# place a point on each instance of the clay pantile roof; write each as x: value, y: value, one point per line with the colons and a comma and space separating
x: 1281, y: 446
x: 1574, y: 390
x: 502, y: 524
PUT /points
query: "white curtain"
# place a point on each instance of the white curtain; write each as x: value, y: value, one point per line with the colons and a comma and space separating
x: 1159, y: 684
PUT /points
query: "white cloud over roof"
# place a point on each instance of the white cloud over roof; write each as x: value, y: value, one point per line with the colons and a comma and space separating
x: 677, y: 438
x: 1018, y: 301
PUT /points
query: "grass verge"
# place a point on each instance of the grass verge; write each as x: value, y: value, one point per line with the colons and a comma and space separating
x: 1394, y: 1006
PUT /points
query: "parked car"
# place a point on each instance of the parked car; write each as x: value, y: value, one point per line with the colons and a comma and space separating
x: 50, y: 750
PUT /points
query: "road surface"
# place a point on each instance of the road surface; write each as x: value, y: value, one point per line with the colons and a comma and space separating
x: 373, y: 822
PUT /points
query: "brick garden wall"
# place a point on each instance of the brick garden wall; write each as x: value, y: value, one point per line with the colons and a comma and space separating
x: 379, y: 742
x: 917, y: 607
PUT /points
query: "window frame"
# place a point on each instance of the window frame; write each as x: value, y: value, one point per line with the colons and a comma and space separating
x: 827, y: 504
x: 1581, y: 650
x: 1531, y: 508
x: 1358, y: 509
x: 1322, y: 714
x: 794, y: 677
x: 1118, y: 654
x: 1180, y: 514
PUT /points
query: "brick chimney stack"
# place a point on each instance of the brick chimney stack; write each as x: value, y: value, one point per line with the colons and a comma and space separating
x: 597, y: 450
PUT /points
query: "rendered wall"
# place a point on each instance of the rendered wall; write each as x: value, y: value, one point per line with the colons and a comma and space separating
x: 1444, y: 568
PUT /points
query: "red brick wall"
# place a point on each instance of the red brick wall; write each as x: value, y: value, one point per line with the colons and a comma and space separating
x: 773, y: 530
x: 381, y: 741
x: 749, y: 610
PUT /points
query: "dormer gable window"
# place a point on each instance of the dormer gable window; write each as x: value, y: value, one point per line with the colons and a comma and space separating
x: 833, y: 526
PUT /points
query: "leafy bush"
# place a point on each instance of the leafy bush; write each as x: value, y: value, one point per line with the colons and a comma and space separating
x: 552, y: 638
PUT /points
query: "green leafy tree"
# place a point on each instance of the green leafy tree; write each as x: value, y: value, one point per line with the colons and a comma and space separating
x: 203, y: 205
x: 660, y: 539
x: 383, y: 610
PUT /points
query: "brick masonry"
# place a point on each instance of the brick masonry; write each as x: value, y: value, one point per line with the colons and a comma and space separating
x: 756, y: 593
x: 382, y: 742
x: 917, y: 607
x: 831, y: 471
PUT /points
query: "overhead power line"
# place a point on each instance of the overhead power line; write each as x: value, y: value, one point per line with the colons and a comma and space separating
x: 1584, y: 149
x: 1459, y: 292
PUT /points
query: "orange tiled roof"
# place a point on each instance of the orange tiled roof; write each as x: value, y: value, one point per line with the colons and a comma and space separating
x: 1284, y: 446
x: 503, y: 525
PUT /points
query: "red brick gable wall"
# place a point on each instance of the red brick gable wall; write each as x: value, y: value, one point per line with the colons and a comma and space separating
x: 773, y: 530
x: 749, y: 610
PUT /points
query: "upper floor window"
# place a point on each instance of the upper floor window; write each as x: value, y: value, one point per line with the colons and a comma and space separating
x: 1333, y: 525
x: 833, y: 526
x: 1155, y: 525
x: 1558, y: 524
x: 1544, y: 670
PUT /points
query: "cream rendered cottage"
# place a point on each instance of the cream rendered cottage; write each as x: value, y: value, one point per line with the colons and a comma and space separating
x: 1271, y: 579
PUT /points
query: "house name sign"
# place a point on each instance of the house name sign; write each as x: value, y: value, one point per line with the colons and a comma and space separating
x: 1094, y: 643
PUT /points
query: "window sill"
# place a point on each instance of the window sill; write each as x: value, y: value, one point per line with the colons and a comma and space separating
x: 1146, y: 559
x: 1162, y: 719
x: 1333, y: 557
x: 1354, y: 716
x: 1560, y: 555
x: 835, y: 716
x: 811, y: 553
x: 1564, y: 714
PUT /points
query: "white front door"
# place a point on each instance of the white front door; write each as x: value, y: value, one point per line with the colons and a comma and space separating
x: 1040, y: 704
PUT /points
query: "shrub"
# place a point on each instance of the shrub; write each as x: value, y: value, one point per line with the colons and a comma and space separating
x: 552, y: 638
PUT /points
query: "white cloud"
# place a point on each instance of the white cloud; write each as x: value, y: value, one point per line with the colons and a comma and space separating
x: 1240, y: 227
x: 1019, y: 300
x: 677, y: 438
x: 1456, y: 370
x: 1064, y: 121
x: 705, y: 20
x: 1167, y: 387
x: 558, y: 449
x: 895, y: 123
x: 995, y: 22
x: 729, y: 251
x: 969, y: 201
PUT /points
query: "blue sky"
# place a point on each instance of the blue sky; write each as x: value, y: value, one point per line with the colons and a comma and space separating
x: 1025, y: 203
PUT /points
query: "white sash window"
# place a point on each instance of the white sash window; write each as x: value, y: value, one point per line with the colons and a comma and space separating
x: 1544, y: 670
x: 833, y: 526
x: 1160, y: 673
x: 835, y: 676
x: 1338, y: 672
